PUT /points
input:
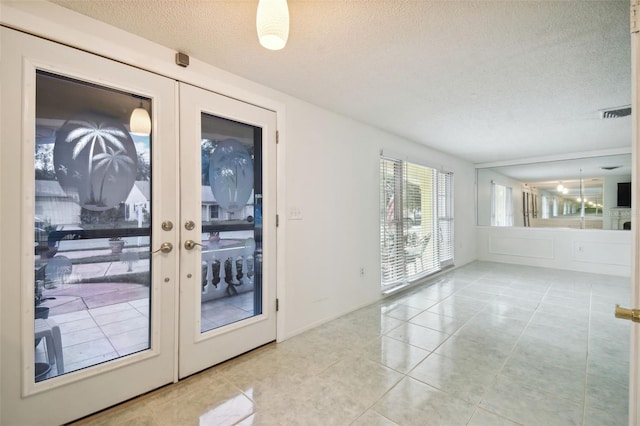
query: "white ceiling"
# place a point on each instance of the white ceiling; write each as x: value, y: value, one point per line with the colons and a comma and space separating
x: 483, y: 80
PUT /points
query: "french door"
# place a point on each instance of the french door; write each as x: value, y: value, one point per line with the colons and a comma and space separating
x: 136, y: 230
x: 227, y: 218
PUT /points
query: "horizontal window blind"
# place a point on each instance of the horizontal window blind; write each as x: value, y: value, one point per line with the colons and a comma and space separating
x: 420, y: 218
x: 445, y: 218
x: 391, y: 254
x: 416, y: 221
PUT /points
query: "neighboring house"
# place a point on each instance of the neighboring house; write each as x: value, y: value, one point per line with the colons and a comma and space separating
x: 212, y: 211
x: 53, y: 205
x: 56, y: 207
x: 138, y: 200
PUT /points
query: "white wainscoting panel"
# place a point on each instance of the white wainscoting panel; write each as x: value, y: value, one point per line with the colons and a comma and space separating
x: 542, y: 248
x: 601, y: 252
x: 588, y: 250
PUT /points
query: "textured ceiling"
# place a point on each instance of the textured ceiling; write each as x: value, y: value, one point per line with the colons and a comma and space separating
x: 482, y: 80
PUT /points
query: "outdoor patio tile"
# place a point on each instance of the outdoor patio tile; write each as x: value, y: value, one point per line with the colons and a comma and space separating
x: 133, y: 349
x: 122, y: 268
x: 136, y: 337
x: 243, y: 301
x: 206, y: 325
x: 135, y: 291
x: 81, y: 336
x: 109, y: 309
x: 88, y: 362
x: 86, y: 350
x: 140, y: 303
x: 118, y: 316
x: 91, y: 270
x: 119, y: 327
x: 71, y: 316
x: 77, y: 325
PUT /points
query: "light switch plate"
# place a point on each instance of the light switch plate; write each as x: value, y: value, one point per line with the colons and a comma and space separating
x: 295, y: 213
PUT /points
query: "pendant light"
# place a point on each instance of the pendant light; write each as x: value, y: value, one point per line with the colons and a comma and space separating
x: 140, y: 122
x: 272, y: 23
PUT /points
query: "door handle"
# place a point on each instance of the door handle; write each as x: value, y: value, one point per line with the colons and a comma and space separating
x: 627, y: 314
x: 165, y: 248
x: 190, y: 244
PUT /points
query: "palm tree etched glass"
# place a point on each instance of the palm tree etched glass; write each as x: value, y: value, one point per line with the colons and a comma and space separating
x: 95, y: 159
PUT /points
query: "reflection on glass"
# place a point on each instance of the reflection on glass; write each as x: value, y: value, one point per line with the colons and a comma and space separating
x: 586, y: 193
x: 92, y: 221
x: 231, y: 158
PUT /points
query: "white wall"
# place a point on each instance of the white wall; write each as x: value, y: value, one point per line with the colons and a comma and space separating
x: 327, y: 168
x: 332, y: 177
x: 597, y: 251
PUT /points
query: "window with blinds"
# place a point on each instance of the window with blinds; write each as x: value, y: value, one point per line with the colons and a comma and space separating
x: 416, y: 221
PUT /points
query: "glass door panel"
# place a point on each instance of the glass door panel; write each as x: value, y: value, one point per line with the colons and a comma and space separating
x: 231, y: 153
x: 85, y: 305
x: 227, y: 267
x: 92, y: 216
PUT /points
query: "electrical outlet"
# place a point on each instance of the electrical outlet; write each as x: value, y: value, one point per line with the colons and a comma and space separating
x: 362, y: 272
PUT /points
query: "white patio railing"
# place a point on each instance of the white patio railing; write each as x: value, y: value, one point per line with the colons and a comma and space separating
x: 218, y: 280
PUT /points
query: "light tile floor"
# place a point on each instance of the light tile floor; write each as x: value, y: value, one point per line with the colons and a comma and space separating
x: 487, y: 344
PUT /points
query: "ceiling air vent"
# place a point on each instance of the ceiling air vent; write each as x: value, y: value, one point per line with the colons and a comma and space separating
x: 615, y: 112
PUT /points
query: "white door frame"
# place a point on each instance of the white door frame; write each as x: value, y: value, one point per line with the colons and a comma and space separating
x: 634, y: 374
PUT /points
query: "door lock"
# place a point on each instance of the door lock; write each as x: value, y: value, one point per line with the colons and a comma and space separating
x: 628, y: 314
